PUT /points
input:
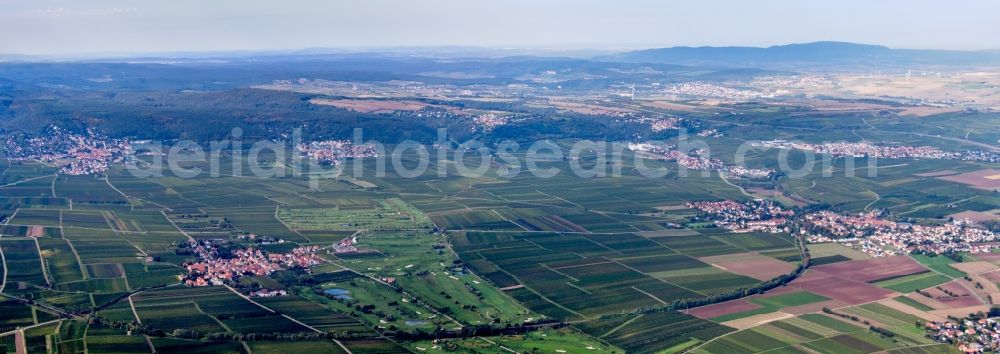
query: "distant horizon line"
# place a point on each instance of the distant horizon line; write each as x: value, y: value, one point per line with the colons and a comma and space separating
x: 427, y: 49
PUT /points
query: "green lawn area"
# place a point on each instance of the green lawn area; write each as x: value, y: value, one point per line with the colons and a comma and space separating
x: 939, y: 264
x: 388, y: 308
x: 424, y: 272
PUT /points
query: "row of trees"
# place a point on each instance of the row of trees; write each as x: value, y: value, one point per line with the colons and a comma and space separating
x: 485, y: 330
x: 134, y: 327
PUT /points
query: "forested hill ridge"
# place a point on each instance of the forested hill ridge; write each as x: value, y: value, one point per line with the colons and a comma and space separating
x: 826, y: 53
x: 395, y: 96
x: 204, y: 98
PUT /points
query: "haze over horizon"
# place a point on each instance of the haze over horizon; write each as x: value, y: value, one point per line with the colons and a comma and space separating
x: 65, y: 28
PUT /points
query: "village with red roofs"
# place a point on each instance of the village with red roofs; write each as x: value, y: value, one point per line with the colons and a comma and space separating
x: 215, y: 269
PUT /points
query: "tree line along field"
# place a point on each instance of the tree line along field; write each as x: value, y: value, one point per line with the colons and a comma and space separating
x: 590, y: 252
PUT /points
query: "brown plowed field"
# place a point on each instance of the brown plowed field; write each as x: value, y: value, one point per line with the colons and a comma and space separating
x: 988, y: 179
x: 875, y: 269
x: 839, y: 288
x: 753, y: 265
x: 725, y: 308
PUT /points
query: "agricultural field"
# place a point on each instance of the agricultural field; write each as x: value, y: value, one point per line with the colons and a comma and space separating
x: 768, y: 304
x: 587, y: 275
x: 808, y: 333
x: 652, y: 333
x: 859, y: 294
x: 213, y: 309
x: 314, y: 314
x: 911, y: 283
x: 607, y: 256
x: 88, y: 190
x: 940, y: 265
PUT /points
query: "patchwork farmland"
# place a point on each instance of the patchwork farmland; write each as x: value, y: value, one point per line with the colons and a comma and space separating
x: 617, y: 265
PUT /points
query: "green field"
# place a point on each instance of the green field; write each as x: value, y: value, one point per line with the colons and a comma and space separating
x: 912, y: 283
x: 380, y: 215
x: 652, y: 333
x: 814, y: 332
x: 440, y: 254
x: 788, y: 300
x: 939, y: 264
x: 913, y: 303
x: 774, y: 303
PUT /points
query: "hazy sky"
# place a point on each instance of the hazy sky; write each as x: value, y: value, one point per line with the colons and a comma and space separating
x: 104, y: 26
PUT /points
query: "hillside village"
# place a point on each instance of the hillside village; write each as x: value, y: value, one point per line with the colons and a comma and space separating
x: 75, y: 154
x: 698, y: 160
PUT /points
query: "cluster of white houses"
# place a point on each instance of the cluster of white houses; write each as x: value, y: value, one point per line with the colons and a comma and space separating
x: 877, y: 236
x: 751, y: 216
x: 864, y: 149
x: 76, y: 154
